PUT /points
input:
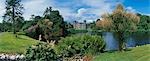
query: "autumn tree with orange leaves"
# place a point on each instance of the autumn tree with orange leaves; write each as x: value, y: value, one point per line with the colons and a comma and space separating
x: 119, y: 22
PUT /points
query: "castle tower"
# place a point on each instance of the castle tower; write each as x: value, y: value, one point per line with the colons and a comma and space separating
x: 85, y: 25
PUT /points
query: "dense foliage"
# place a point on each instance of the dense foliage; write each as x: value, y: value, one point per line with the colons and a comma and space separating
x: 144, y: 24
x: 41, y: 52
x: 51, y: 26
x: 80, y: 44
x: 75, y: 31
x: 93, y: 25
x: 44, y: 27
x: 58, y: 28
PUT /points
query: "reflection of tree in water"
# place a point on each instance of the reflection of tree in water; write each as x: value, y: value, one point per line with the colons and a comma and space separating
x: 141, y: 38
x: 141, y: 35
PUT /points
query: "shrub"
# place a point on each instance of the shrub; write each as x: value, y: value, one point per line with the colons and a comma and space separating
x: 80, y: 44
x: 76, y: 31
x: 41, y: 52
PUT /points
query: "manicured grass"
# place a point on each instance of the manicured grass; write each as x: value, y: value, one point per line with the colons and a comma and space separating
x: 15, y: 45
x: 141, y: 53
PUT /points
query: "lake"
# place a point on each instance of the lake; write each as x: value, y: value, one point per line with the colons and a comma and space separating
x: 132, y: 41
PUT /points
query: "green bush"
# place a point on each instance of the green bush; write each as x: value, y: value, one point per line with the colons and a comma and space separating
x: 41, y: 52
x: 75, y: 31
x: 80, y: 44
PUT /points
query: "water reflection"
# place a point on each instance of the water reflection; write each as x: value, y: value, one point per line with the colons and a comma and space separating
x: 132, y: 41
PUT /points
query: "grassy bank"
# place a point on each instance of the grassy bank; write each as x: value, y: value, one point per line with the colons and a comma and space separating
x: 141, y: 53
x: 14, y: 45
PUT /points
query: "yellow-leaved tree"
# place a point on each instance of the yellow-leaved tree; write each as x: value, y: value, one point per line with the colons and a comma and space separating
x: 119, y: 21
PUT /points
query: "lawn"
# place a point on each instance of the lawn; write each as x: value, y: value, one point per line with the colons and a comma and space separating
x: 11, y: 45
x: 141, y: 53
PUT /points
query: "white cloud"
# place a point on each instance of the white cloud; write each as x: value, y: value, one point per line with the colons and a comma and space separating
x: 81, y: 12
x: 35, y: 7
x: 2, y: 9
x: 95, y: 9
x: 85, y: 14
x: 130, y: 9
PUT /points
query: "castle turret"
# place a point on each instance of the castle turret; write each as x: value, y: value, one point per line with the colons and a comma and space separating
x: 85, y: 25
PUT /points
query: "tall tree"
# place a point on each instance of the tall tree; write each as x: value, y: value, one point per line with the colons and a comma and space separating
x: 120, y: 22
x: 14, y: 13
x: 58, y: 27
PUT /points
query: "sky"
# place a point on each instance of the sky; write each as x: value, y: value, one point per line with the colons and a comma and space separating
x: 79, y: 10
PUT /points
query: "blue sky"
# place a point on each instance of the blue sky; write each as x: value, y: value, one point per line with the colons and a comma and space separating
x: 79, y: 10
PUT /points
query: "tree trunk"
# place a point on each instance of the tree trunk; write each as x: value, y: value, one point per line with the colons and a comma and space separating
x: 120, y: 45
x: 13, y: 18
x: 120, y: 40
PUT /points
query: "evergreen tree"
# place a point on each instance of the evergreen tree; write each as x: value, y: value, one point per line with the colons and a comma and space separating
x: 13, y: 14
x: 58, y: 27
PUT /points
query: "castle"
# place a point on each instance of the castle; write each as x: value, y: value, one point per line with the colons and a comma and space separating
x: 80, y: 25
